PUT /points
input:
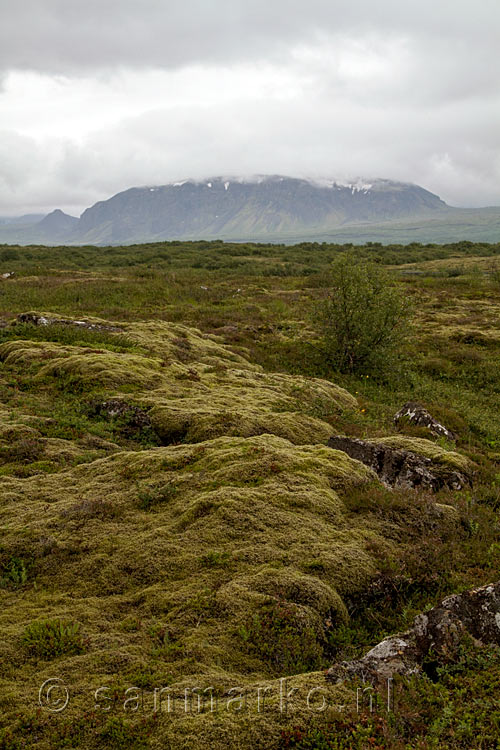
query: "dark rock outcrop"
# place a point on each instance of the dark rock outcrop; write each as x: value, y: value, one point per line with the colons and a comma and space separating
x: 439, y: 631
x: 399, y: 468
x: 476, y: 612
x: 413, y: 413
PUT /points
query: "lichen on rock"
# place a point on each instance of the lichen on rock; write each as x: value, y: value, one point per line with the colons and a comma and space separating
x: 414, y: 414
x: 437, y: 632
x: 408, y: 462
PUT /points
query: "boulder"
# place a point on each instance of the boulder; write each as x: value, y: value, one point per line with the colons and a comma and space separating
x: 394, y: 655
x: 413, y: 413
x: 476, y: 612
x: 399, y: 468
x: 439, y: 631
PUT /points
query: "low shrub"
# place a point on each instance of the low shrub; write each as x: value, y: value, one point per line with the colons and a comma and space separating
x: 48, y: 639
x: 215, y: 558
x: 284, y: 636
x: 14, y: 574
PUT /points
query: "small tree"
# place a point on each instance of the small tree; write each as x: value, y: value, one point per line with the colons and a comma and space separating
x: 365, y: 318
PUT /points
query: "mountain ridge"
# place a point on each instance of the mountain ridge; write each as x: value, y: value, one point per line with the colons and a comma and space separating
x: 271, y: 208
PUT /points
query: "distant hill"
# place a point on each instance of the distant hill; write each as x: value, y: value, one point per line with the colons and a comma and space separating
x: 57, y: 224
x: 265, y: 208
x: 25, y: 219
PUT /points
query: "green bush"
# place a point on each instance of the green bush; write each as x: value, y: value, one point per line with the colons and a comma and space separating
x: 48, y: 639
x: 364, y: 319
x: 215, y: 558
x: 14, y: 574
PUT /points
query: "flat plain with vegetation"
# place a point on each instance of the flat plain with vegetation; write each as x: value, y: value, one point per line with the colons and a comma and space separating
x: 205, y: 536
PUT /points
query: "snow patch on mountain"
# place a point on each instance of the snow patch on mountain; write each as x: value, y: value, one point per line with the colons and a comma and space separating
x: 354, y: 185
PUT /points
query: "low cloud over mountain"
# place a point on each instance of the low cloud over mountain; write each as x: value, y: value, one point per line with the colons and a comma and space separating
x: 263, y: 208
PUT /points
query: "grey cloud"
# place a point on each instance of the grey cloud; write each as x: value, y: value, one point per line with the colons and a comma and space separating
x: 424, y: 108
x: 57, y: 36
x: 294, y: 137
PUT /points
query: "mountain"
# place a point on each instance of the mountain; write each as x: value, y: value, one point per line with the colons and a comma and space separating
x: 266, y: 208
x: 58, y: 223
x: 262, y: 208
x: 54, y: 229
x: 25, y: 219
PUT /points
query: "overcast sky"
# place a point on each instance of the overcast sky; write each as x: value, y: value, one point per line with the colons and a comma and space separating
x: 99, y: 95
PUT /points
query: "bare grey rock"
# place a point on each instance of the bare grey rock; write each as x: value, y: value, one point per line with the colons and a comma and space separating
x: 399, y: 468
x: 476, y: 612
x: 393, y: 655
x: 440, y: 630
x: 414, y: 413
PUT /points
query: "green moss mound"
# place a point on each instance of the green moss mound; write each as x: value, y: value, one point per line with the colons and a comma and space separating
x: 175, y: 586
x: 192, y: 386
x: 244, y: 402
x: 428, y: 449
x: 222, y: 559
